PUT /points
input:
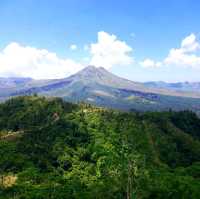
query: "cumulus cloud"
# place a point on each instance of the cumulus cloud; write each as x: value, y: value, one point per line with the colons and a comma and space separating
x: 25, y: 61
x: 109, y: 51
x: 184, y: 56
x: 73, y: 47
x: 149, y: 63
x: 190, y: 44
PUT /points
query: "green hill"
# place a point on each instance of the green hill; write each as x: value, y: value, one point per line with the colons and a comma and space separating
x: 53, y: 149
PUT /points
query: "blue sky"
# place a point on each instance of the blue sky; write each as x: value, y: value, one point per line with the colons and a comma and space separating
x: 67, y: 30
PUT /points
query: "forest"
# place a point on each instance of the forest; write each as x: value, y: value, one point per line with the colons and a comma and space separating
x: 54, y: 149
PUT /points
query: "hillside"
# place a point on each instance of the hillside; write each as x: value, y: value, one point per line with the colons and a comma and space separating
x: 53, y: 149
x: 178, y: 86
x: 98, y: 86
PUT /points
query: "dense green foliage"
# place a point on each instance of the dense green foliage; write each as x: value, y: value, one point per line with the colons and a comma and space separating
x: 61, y: 150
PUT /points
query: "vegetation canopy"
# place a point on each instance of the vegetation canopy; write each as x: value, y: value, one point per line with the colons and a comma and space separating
x: 53, y: 149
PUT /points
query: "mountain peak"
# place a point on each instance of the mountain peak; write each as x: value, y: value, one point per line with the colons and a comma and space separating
x: 99, y: 75
x: 92, y: 68
x: 93, y: 72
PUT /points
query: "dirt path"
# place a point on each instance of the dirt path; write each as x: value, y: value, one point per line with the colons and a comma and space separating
x: 11, y: 136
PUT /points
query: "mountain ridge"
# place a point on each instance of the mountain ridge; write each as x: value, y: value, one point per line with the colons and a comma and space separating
x: 104, y: 77
x: 100, y: 87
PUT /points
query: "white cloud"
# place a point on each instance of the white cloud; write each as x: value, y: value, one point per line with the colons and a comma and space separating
x: 73, y: 47
x: 185, y: 56
x: 25, y: 61
x: 190, y: 44
x: 109, y: 51
x: 149, y: 63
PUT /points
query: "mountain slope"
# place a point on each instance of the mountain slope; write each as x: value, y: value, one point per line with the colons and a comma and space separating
x: 178, y: 86
x: 92, y: 76
x: 100, y: 87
